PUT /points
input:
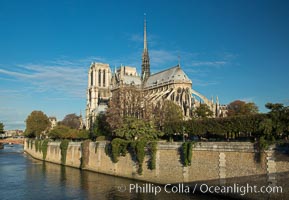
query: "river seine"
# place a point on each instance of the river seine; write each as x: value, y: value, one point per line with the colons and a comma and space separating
x: 22, y: 177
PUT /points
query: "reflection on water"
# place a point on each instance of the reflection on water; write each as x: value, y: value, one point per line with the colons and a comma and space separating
x: 22, y: 177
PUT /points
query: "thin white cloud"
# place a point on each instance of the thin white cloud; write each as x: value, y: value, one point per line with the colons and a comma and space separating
x: 15, y: 74
x: 161, y: 57
x: 12, y: 118
x: 209, y: 63
x: 203, y: 83
x: 11, y: 93
x: 59, y: 80
x: 166, y: 58
x: 67, y: 78
x: 136, y: 38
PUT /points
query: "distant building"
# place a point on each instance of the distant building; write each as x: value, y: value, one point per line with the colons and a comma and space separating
x: 170, y: 84
x: 12, y: 133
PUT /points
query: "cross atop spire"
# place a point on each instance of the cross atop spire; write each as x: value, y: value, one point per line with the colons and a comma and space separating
x: 145, y: 67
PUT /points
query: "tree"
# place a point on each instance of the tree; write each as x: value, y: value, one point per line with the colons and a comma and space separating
x: 137, y: 129
x: 65, y: 132
x: 114, y: 114
x: 1, y: 128
x: 247, y: 125
x: 239, y: 107
x: 266, y: 127
x: 127, y: 101
x: 169, y: 118
x: 99, y: 127
x: 60, y: 132
x: 72, y: 121
x: 203, y: 111
x: 36, y: 124
x: 279, y: 114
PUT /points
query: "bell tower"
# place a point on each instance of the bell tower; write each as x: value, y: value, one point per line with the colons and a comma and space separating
x: 98, y: 91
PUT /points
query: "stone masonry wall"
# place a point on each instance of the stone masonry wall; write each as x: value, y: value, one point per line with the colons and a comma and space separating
x: 211, y: 161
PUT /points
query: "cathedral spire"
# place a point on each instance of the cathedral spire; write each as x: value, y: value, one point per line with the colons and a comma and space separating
x: 145, y: 46
x: 145, y: 67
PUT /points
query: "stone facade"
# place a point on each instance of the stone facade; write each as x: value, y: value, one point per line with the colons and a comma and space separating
x: 98, y: 91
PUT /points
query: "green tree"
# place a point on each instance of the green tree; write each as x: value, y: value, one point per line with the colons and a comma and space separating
x: 65, y: 132
x: 203, y: 111
x: 99, y: 127
x: 1, y: 128
x: 60, y: 132
x: 251, y: 108
x: 266, y: 127
x: 82, y: 134
x: 137, y: 129
x: 230, y: 127
x: 169, y: 118
x: 279, y: 114
x: 37, y: 123
x: 239, y: 107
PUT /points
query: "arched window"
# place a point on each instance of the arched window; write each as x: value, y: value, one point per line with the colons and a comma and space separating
x: 103, y: 78
x: 91, y: 78
x: 99, y: 77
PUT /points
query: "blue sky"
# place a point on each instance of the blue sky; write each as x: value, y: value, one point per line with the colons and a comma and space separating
x: 233, y: 49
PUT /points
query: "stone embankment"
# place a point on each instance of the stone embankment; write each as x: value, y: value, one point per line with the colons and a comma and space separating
x: 213, y: 163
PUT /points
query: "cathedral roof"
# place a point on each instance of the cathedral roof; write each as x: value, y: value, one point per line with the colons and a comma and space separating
x: 131, y: 80
x: 169, y: 75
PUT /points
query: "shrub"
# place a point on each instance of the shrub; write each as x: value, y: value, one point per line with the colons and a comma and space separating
x: 186, y: 153
x: 140, y: 154
x: 64, y: 146
x: 153, y: 151
x: 117, y: 147
x: 263, y: 144
x: 37, y: 145
x: 44, y: 146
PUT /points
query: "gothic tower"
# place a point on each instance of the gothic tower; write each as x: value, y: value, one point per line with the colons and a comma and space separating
x: 145, y: 67
x: 98, y: 91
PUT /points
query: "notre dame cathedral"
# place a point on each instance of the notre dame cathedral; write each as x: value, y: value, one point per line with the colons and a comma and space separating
x: 170, y: 84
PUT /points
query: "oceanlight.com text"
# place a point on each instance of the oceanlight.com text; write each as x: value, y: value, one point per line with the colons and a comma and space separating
x: 182, y: 188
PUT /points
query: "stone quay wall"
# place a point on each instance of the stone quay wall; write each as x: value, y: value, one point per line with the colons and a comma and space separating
x: 211, y: 161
